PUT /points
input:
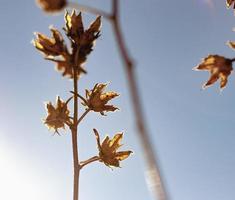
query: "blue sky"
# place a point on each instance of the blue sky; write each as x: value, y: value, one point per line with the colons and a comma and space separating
x: 192, y: 129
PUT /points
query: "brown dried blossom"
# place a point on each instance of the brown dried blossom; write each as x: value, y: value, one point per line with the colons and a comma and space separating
x: 219, y: 68
x: 96, y: 99
x: 57, y: 116
x: 229, y: 3
x: 82, y: 43
x: 53, y: 46
x: 82, y: 40
x: 108, y: 150
x: 52, y: 5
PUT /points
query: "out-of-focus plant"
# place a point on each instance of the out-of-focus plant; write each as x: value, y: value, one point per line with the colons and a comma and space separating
x: 230, y: 3
x: 218, y: 66
x: 70, y: 61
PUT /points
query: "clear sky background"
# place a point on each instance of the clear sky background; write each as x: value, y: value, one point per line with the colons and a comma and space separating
x: 192, y: 129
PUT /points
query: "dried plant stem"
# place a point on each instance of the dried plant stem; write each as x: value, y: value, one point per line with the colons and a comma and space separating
x: 154, y: 178
x: 76, y: 163
x: 90, y: 160
x: 83, y: 115
x: 88, y: 9
x: 233, y: 60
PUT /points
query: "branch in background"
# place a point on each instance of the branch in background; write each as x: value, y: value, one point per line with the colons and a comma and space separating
x: 154, y: 177
x: 88, y: 9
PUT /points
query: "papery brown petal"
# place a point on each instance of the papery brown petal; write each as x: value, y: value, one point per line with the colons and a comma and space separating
x: 74, y: 25
x: 223, y: 80
x: 115, y: 142
x: 122, y: 155
x: 212, y: 80
x: 95, y: 26
x: 231, y: 44
x: 110, y: 108
x: 97, y: 139
x: 105, y: 145
x: 107, y: 96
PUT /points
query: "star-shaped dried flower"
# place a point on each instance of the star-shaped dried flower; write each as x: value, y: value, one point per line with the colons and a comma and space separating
x: 52, y: 5
x: 55, y: 49
x: 82, y: 40
x: 229, y: 3
x: 96, y: 99
x: 57, y: 116
x: 108, y: 150
x: 219, y: 68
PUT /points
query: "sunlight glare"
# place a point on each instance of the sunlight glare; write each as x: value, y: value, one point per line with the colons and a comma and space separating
x: 18, y: 180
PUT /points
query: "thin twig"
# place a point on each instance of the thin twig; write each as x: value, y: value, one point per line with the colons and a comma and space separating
x: 154, y: 176
x: 232, y: 60
x: 81, y: 97
x: 74, y: 132
x: 83, y: 115
x: 88, y: 9
x: 90, y: 160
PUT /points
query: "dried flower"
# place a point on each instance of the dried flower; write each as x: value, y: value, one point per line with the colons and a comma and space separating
x: 53, y: 46
x: 52, y: 5
x: 229, y: 3
x: 82, y: 40
x: 219, y: 68
x: 57, y: 116
x: 97, y: 99
x: 108, y: 150
x: 82, y: 43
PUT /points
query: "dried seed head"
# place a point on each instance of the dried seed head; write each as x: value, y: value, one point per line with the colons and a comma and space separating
x: 108, y: 150
x: 51, y: 5
x: 53, y: 46
x: 57, y: 116
x: 97, y: 99
x: 219, y: 68
x: 82, y: 40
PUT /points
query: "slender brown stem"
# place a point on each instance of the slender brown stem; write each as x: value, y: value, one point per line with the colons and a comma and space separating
x: 88, y: 9
x: 90, y: 160
x: 83, y: 115
x: 76, y: 163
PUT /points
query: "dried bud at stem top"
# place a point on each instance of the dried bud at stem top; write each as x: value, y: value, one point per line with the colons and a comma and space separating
x: 52, y: 5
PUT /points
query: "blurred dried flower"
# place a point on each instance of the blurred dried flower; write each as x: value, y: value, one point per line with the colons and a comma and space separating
x: 108, y: 150
x: 219, y: 68
x: 231, y: 44
x: 57, y: 116
x: 97, y: 99
x: 229, y: 3
x: 52, y: 5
